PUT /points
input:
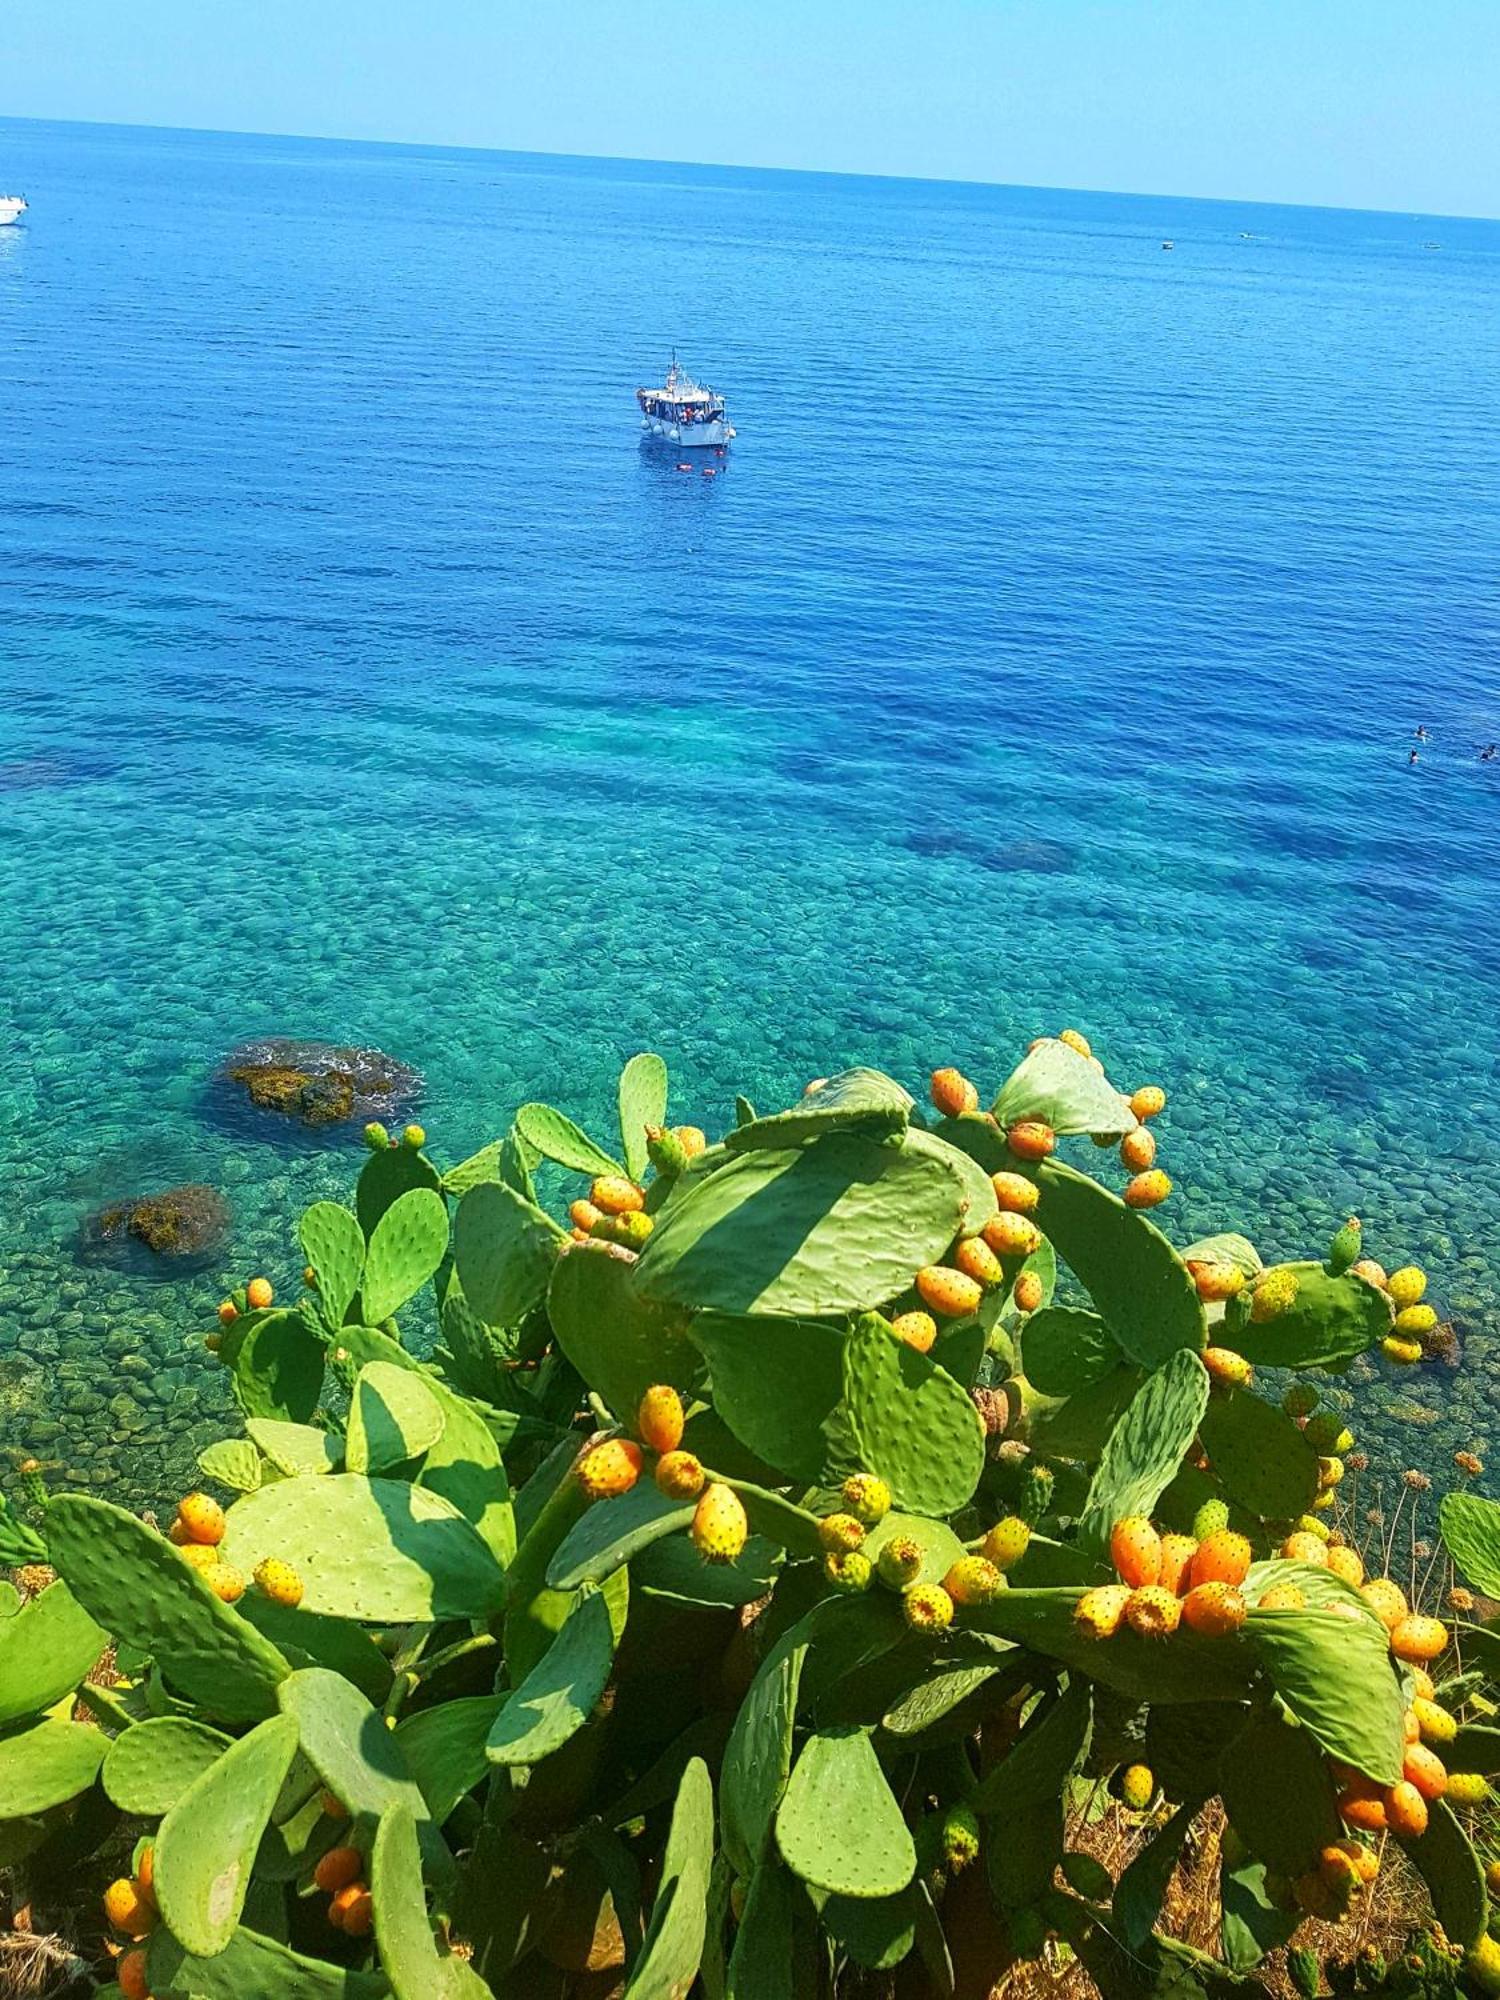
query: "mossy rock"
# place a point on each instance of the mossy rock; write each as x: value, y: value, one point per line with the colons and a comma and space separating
x: 183, y: 1226
x: 318, y: 1083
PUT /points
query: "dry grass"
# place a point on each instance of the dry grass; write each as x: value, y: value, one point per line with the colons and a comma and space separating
x: 40, y: 1968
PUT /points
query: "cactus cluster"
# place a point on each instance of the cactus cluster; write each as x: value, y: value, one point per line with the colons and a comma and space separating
x: 789, y: 1526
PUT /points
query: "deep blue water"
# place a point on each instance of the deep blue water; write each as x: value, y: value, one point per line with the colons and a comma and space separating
x: 1047, y: 652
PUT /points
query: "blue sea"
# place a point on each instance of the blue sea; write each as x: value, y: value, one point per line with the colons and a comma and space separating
x: 1047, y: 651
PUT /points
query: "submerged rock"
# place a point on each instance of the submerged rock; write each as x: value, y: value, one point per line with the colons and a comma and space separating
x: 184, y: 1226
x: 319, y: 1083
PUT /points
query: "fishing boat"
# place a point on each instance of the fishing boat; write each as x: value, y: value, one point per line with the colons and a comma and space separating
x: 683, y: 412
x: 11, y: 206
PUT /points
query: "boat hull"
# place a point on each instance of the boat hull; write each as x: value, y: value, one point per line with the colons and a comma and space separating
x: 688, y: 437
x: 11, y: 211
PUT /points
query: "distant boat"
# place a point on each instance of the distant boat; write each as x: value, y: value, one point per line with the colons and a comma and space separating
x: 684, y: 412
x: 1169, y: 245
x: 11, y: 206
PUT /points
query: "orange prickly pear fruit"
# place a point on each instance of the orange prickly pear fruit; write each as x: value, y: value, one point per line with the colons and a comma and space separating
x: 840, y: 1532
x: 1366, y: 1860
x: 1346, y: 1563
x: 1339, y: 1869
x: 278, y: 1581
x: 145, y: 1873
x: 917, y: 1329
x: 1223, y: 1557
x: 1138, y: 1150
x: 202, y: 1518
x: 927, y: 1607
x: 953, y: 1094
x: 1147, y: 1190
x: 228, y: 1312
x: 867, y: 1497
x: 1135, y: 1551
x: 1177, y: 1552
x: 331, y: 1806
x: 1387, y: 1600
x: 1137, y: 1786
x: 178, y: 1535
x: 225, y: 1581
x: 1028, y: 1291
x: 948, y: 1293
x: 1226, y: 1368
x: 692, y: 1139
x: 973, y: 1580
x: 1434, y: 1722
x: 352, y: 1910
x: 199, y: 1556
x: 1303, y: 1548
x: 610, y: 1469
x: 613, y: 1194
x: 1031, y: 1139
x: 1214, y: 1609
x: 1406, y: 1811
x: 1015, y: 1194
x: 1424, y: 1769
x: 258, y: 1294
x: 1417, y: 1638
x: 1153, y: 1612
x: 1075, y: 1041
x: 130, y: 1975
x: 337, y: 1868
x: 1148, y: 1101
x: 128, y: 1909
x: 583, y: 1215
x: 679, y: 1475
x: 977, y: 1260
x: 1006, y: 1542
x: 1216, y: 1281
x: 1099, y: 1613
x: 659, y: 1419
x: 1010, y: 1234
x: 720, y: 1528
x: 1362, y: 1804
x: 1282, y: 1597
x: 1411, y: 1728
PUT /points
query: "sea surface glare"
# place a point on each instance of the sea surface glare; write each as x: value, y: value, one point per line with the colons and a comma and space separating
x: 1047, y: 651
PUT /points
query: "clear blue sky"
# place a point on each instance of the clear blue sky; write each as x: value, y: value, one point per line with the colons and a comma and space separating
x: 1353, y: 103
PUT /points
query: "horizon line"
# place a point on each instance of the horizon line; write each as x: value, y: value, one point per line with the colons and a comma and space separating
x: 738, y: 167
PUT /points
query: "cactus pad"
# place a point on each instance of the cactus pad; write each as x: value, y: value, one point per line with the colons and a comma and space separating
x: 1065, y: 1090
x: 278, y: 1367
x: 406, y: 1246
x: 1136, y: 1279
x: 778, y: 1384
x: 838, y: 1825
x: 1260, y: 1458
x: 556, y: 1137
x: 1471, y: 1531
x: 149, y: 1767
x: 1064, y: 1350
x: 295, y: 1449
x: 46, y: 1648
x: 334, y: 1245
x: 758, y: 1755
x: 48, y: 1764
x: 1144, y: 1449
x: 862, y: 1101
x: 385, y: 1177
x: 232, y: 1462
x: 205, y: 1847
x: 503, y: 1250
x: 643, y: 1102
x: 403, y: 1931
x: 353, y: 1752
x: 557, y: 1696
x: 1330, y: 1319
x: 1335, y: 1676
x: 940, y: 1547
x: 673, y: 1946
x: 393, y: 1416
x: 252, y: 1967
x: 376, y: 1550
x: 619, y: 1342
x: 1455, y: 1880
x: 444, y: 1748
x: 129, y: 1578
x: 910, y: 1422
x: 1279, y: 1794
x: 612, y: 1531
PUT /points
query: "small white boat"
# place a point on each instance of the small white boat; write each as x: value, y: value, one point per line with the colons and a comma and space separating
x: 684, y: 413
x: 11, y: 206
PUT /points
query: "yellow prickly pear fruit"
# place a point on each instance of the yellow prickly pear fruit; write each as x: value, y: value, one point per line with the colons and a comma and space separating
x: 1135, y: 1551
x: 1387, y: 1600
x: 1147, y: 1190
x: 1226, y: 1368
x: 1223, y: 1557
x: 977, y: 1260
x: 1015, y: 1194
x: 840, y: 1532
x: 1309, y: 1524
x: 202, y: 1518
x: 1371, y: 1272
x: 1467, y: 1788
x: 1216, y: 1281
x: 953, y: 1094
x: 1138, y: 1150
x: 278, y: 1581
x: 1282, y: 1597
x: 610, y: 1469
x: 1492, y: 1877
x: 1153, y: 1612
x: 1346, y: 1563
x: 1214, y: 1609
x: 258, y: 1294
x: 1406, y: 1286
x: 692, y: 1139
x: 867, y: 1497
x: 1028, y: 1291
x: 1075, y: 1041
x: 848, y: 1571
x: 1006, y: 1542
x: 1330, y: 1470
x: 130, y: 1910
x: 720, y: 1528
x: 1100, y: 1612
x: 200, y: 1556
x: 659, y: 1418
x: 309, y: 1278
x: 1275, y: 1293
x: 1414, y: 1321
x: 225, y: 1581
x: 1482, y: 1963
x: 1177, y: 1552
x: 1422, y: 1683
x: 1031, y: 1139
x: 948, y: 1293
x: 1418, y: 1638
x: 899, y: 1562
x: 973, y: 1580
x: 927, y: 1607
x: 1339, y: 1869
x: 679, y: 1475
x: 1149, y: 1101
x: 917, y: 1329
x: 1137, y: 1786
x: 1433, y: 1721
x: 1327, y: 1431
x: 1010, y: 1234
x: 1304, y: 1548
x: 415, y: 1137
x: 613, y: 1194
x: 1405, y: 1353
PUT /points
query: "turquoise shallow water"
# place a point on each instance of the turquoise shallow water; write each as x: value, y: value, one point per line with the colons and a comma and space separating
x: 1048, y: 651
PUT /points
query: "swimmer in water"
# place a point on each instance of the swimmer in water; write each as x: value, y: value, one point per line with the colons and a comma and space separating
x: 1420, y: 733
x: 1488, y: 754
x: 1411, y: 756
